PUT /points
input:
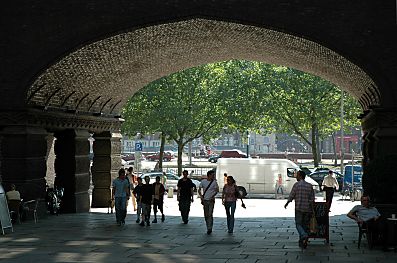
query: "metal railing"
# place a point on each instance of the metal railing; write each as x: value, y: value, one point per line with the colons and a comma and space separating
x: 198, y: 172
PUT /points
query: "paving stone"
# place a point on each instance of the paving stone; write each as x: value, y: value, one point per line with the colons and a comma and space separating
x: 94, y: 237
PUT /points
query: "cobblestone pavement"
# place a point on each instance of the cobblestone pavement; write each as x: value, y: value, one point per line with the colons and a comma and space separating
x: 264, y: 232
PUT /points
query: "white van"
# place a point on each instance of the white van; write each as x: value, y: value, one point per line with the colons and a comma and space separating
x: 259, y: 176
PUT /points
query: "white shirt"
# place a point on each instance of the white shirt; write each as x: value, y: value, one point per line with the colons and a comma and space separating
x: 365, y: 213
x: 330, y: 181
x: 212, y: 191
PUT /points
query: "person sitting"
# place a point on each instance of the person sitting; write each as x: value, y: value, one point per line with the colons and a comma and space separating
x: 13, y: 194
x: 369, y: 217
x: 14, y: 204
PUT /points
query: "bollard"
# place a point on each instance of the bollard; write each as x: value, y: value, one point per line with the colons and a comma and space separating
x: 170, y: 192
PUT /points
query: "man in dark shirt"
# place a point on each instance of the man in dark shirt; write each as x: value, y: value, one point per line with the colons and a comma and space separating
x: 147, y: 195
x: 137, y: 193
x: 185, y: 196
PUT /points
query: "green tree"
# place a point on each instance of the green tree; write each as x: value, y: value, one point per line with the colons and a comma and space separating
x: 303, y: 104
x: 183, y: 106
x: 240, y: 95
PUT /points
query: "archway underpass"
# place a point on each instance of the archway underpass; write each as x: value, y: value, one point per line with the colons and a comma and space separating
x: 83, y: 91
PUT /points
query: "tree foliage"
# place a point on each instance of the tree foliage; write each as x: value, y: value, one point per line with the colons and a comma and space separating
x: 183, y: 106
x: 240, y: 95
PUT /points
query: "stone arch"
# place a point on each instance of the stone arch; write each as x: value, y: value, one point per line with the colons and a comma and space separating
x: 100, y: 77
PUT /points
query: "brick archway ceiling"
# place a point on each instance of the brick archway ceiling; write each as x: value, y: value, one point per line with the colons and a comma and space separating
x: 100, y: 77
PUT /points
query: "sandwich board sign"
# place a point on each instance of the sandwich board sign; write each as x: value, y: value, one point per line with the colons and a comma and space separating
x: 5, y: 219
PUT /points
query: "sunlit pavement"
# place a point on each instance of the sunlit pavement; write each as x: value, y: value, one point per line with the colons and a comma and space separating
x: 264, y: 232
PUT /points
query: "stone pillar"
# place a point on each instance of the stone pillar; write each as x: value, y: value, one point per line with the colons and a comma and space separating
x: 380, y: 134
x: 72, y: 166
x: 380, y: 154
x: 23, y: 160
x: 50, y: 174
x: 107, y: 162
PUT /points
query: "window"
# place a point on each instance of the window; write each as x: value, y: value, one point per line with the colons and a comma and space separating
x: 291, y: 172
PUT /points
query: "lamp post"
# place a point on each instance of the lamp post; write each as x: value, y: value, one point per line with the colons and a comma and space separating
x: 138, y: 154
x: 248, y: 143
x: 190, y: 154
x: 342, y: 145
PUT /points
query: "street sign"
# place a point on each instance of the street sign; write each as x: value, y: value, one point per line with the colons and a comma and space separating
x: 138, y: 147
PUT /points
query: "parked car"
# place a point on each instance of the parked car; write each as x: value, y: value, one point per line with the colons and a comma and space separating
x: 172, y: 180
x: 131, y: 157
x: 127, y: 164
x: 319, y: 177
x: 306, y: 170
x: 227, y: 154
x: 156, y: 157
x: 214, y: 158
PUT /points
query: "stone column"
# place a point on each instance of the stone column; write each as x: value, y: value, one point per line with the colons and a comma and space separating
x: 72, y: 166
x: 23, y: 160
x: 380, y: 154
x: 380, y: 134
x: 107, y: 162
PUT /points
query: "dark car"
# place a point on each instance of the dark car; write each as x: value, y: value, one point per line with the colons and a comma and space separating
x: 319, y: 177
x: 306, y: 170
x: 156, y: 157
x: 214, y: 158
x: 130, y: 157
x: 227, y: 154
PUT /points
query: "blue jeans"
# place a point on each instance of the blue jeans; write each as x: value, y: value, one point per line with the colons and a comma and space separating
x: 230, y: 209
x: 302, y: 220
x: 138, y: 210
x: 120, y: 204
x: 146, y: 210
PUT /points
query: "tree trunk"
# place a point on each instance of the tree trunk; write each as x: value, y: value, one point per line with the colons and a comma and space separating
x: 162, y: 144
x: 180, y: 151
x: 314, y: 146
x: 318, y: 145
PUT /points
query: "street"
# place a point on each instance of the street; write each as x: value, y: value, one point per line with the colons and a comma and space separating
x: 256, y: 208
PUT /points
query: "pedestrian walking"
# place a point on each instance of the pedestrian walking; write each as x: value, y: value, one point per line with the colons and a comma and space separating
x: 208, y: 189
x: 132, y: 178
x: 158, y: 199
x: 230, y: 194
x: 120, y: 195
x: 185, y: 196
x: 138, y: 196
x: 329, y: 185
x: 147, y: 195
x: 279, y: 187
x: 164, y: 179
x: 303, y: 194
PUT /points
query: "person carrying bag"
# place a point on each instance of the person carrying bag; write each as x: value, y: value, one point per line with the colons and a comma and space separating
x: 313, y: 223
x: 208, y: 198
x: 202, y: 199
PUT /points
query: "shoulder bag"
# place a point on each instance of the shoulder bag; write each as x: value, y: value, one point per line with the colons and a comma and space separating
x: 202, y: 202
